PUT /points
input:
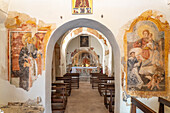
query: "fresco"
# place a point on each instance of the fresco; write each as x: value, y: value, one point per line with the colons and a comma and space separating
x: 26, y: 58
x: 27, y: 46
x: 146, y: 52
x: 82, y: 6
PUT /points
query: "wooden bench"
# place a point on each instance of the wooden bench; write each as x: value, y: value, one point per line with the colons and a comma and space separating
x: 68, y: 87
x: 162, y: 103
x: 74, y: 79
x: 66, y: 80
x: 136, y: 103
x: 93, y: 75
x: 109, y: 95
x: 95, y: 79
x: 58, y: 98
x: 102, y: 81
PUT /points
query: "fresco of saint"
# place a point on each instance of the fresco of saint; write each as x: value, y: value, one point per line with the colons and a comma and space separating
x: 145, y: 61
x: 82, y: 3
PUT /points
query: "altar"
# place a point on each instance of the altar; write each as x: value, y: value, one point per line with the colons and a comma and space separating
x: 85, y: 71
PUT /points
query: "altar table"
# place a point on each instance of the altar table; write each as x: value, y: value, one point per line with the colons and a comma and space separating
x: 84, y: 71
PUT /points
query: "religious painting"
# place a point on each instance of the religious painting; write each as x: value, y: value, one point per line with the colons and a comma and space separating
x: 82, y: 6
x: 85, y: 59
x: 84, y: 41
x: 40, y: 47
x: 26, y: 58
x: 146, y: 59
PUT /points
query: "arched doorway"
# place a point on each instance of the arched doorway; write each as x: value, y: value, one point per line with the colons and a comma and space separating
x: 75, y: 24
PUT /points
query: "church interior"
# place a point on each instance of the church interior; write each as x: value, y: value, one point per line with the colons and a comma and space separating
x: 84, y: 56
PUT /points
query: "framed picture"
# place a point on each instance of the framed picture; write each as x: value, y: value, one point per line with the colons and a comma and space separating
x: 82, y: 6
x: 84, y: 41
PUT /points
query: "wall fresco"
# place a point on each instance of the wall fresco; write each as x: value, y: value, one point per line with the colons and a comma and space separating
x: 146, y: 56
x: 27, y: 45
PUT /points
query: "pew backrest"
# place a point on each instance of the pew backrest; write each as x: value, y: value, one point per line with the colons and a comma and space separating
x: 140, y: 105
x: 163, y: 102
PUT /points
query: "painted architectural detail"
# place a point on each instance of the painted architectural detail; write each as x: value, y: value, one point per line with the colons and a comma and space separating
x: 27, y: 47
x: 94, y: 32
x: 146, y: 55
x: 85, y: 58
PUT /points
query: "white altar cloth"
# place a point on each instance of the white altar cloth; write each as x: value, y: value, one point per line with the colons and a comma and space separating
x: 84, y: 71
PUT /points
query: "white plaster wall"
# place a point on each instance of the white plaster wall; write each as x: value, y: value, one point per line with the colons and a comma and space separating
x: 116, y: 13
x: 3, y: 52
x: 9, y: 93
x: 73, y: 44
x: 3, y: 9
x: 97, y: 48
x: 3, y: 39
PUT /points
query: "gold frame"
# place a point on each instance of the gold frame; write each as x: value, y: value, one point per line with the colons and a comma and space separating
x: 161, y: 27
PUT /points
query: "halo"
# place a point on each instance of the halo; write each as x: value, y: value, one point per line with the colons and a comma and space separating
x: 25, y: 38
x: 31, y: 40
x: 140, y: 30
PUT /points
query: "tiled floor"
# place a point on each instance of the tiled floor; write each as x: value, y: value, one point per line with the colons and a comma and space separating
x: 85, y: 100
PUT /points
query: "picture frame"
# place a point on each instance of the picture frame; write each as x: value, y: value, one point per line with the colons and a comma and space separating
x: 84, y: 41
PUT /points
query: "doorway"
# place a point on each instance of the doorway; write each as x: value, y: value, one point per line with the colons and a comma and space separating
x: 75, y: 24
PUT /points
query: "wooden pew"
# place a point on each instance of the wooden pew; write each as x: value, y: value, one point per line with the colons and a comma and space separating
x: 93, y: 75
x: 102, y: 81
x: 74, y: 79
x: 58, y: 99
x: 162, y: 103
x: 109, y: 95
x: 63, y: 84
x: 66, y: 80
x: 95, y: 79
x: 111, y: 102
x: 136, y: 103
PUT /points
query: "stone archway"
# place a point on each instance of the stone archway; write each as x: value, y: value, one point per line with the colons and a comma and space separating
x: 75, y: 24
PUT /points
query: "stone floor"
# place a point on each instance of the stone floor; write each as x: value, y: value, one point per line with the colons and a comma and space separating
x: 85, y: 100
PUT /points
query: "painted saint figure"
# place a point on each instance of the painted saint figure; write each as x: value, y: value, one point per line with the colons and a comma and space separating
x: 86, y: 60
x: 27, y: 62
x: 150, y: 59
x: 133, y: 64
x: 147, y: 45
x: 82, y: 3
x: 142, y: 44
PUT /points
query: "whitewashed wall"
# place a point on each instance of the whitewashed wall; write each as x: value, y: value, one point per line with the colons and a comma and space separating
x: 116, y: 13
